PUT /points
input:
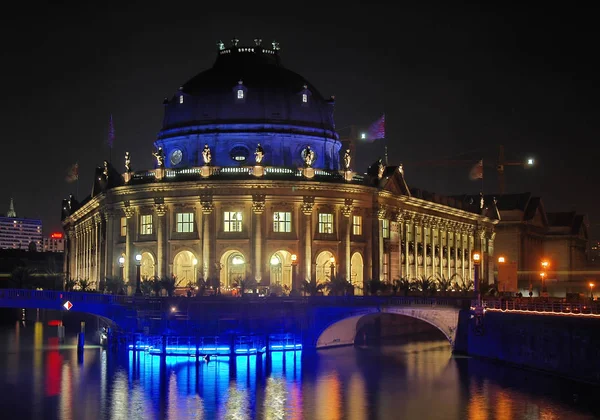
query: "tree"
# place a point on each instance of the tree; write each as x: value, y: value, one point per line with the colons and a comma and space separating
x: 21, y: 278
x: 201, y: 285
x: 338, y: 286
x: 70, y: 285
x: 404, y: 285
x: 247, y: 283
x: 169, y: 284
x: 425, y: 284
x: 114, y: 285
x: 156, y: 285
x: 444, y: 283
x: 84, y: 285
x: 311, y: 287
x: 146, y: 286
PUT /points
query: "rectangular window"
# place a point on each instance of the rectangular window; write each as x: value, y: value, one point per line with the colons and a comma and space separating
x: 123, y: 226
x: 233, y: 221
x: 240, y: 94
x: 304, y: 98
x: 357, y: 225
x: 385, y: 228
x: 185, y: 222
x: 282, y: 221
x: 181, y: 99
x: 146, y: 222
x: 325, y: 223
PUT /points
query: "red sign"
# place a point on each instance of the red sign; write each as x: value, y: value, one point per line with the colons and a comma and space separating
x: 68, y: 305
x: 56, y: 235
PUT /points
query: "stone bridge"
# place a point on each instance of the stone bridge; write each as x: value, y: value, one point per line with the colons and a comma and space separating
x: 318, y: 322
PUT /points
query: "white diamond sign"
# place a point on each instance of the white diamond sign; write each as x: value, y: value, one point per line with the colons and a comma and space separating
x: 68, y: 305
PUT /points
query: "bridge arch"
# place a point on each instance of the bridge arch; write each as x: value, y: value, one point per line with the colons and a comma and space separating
x: 342, y: 332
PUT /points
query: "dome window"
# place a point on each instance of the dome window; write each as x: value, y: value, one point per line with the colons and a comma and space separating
x: 181, y: 99
x: 240, y: 92
x: 305, y: 95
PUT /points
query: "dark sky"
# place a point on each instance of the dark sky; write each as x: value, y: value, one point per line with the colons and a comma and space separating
x: 453, y: 83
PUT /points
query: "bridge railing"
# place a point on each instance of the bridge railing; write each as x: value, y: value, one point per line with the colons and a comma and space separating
x: 52, y: 295
x: 543, y: 307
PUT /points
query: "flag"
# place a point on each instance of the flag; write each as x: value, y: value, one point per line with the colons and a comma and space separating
x: 73, y: 173
x: 377, y: 130
x: 477, y: 171
x: 111, y: 133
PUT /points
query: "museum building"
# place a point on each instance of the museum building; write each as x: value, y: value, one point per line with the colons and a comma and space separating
x: 251, y: 181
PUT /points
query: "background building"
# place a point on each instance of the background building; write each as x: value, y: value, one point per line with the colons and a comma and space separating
x: 248, y: 185
x: 54, y: 243
x: 528, y: 234
x: 18, y: 233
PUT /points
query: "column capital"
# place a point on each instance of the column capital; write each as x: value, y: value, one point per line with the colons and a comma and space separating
x: 307, y: 205
x: 380, y: 211
x: 160, y: 209
x: 206, y: 202
x: 258, y: 203
x: 128, y: 210
x: 347, y: 207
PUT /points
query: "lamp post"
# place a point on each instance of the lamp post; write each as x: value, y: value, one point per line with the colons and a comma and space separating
x: 591, y: 291
x: 476, y: 262
x: 332, y: 261
x: 138, y: 263
x: 294, y: 264
x: 501, y: 261
x: 543, y: 274
x: 122, y: 265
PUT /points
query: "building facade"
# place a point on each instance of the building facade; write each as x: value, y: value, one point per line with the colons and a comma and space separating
x: 249, y: 183
x: 54, y: 243
x: 527, y: 234
x: 19, y: 233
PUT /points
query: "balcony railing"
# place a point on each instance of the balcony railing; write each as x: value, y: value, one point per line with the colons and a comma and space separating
x: 541, y: 307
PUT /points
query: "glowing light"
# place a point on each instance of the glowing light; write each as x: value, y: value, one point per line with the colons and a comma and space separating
x: 173, y: 308
x: 195, y: 261
x: 363, y: 136
x: 121, y: 260
x: 274, y: 260
x: 56, y: 235
x: 530, y: 161
x: 332, y: 260
x: 501, y: 260
x: 476, y: 257
x: 240, y: 94
x: 138, y: 257
x: 294, y: 258
x: 237, y: 260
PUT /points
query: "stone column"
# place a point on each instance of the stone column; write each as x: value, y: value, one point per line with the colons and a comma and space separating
x: 416, y: 225
x: 129, y: 266
x: 207, y: 209
x: 97, y: 253
x: 455, y: 237
x: 470, y: 246
x: 463, y: 251
x: 479, y: 246
x: 307, y: 210
x: 433, y: 228
x: 109, y: 258
x: 258, y: 208
x: 347, y: 213
x: 87, y: 251
x: 381, y: 215
x: 400, y: 223
x: 161, y: 247
x: 408, y: 221
x: 424, y: 238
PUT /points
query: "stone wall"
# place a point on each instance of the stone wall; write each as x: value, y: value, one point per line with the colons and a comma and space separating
x: 568, y: 346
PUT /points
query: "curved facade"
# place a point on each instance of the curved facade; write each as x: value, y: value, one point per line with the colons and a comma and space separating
x: 238, y: 219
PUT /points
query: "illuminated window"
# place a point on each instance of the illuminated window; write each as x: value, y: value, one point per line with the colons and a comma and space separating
x: 357, y: 225
x: 240, y: 94
x: 325, y: 223
x: 232, y: 221
x: 185, y: 222
x: 123, y: 226
x: 385, y: 228
x: 146, y: 222
x: 282, y: 221
x: 181, y: 99
x: 304, y: 98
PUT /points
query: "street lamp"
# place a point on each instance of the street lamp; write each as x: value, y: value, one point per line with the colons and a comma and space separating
x: 591, y: 292
x: 543, y: 274
x: 501, y: 260
x: 121, y: 265
x: 476, y: 262
x: 294, y: 264
x: 332, y: 261
x: 138, y: 263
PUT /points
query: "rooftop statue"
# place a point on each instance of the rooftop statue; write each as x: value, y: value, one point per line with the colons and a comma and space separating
x: 309, y: 157
x: 259, y: 154
x: 105, y: 169
x: 380, y: 168
x: 347, y: 159
x: 206, y: 155
x: 127, y: 162
x: 160, y: 158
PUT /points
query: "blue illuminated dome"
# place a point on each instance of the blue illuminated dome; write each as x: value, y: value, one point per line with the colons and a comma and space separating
x: 248, y: 98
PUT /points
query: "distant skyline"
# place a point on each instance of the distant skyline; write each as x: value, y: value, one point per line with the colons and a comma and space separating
x: 454, y: 84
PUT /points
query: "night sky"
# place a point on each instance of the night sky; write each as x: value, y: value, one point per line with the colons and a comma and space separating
x: 454, y: 85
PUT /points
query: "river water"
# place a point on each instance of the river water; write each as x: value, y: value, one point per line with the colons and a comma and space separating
x: 417, y: 379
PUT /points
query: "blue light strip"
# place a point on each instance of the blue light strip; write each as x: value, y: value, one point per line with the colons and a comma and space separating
x: 220, y: 349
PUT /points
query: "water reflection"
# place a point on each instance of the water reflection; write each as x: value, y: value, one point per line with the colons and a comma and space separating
x: 411, y: 380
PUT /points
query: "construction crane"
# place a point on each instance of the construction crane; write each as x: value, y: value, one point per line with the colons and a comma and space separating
x: 502, y: 163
